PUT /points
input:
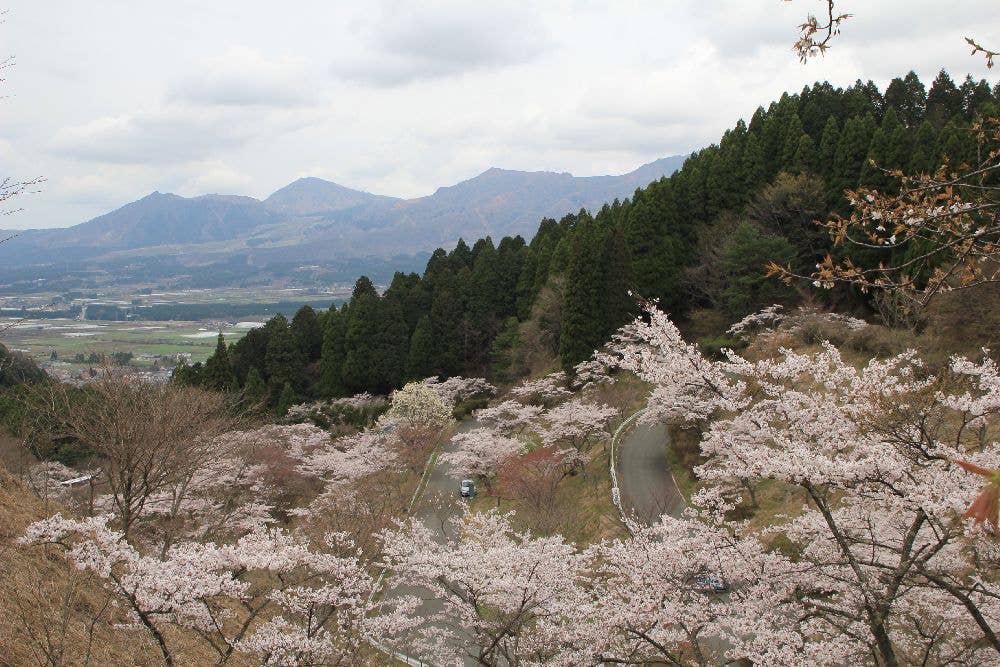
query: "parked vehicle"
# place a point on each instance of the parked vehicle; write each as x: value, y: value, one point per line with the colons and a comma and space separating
x: 710, y: 583
x: 467, y: 489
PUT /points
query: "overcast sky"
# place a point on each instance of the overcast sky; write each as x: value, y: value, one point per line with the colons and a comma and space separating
x: 112, y: 99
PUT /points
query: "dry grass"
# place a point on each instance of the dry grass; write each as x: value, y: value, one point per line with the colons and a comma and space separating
x: 54, y: 615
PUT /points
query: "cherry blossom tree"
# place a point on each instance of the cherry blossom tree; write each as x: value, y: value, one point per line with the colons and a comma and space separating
x: 576, y: 423
x: 456, y: 389
x: 546, y: 391
x: 886, y: 570
x: 347, y: 459
x: 359, y: 410
x: 510, y: 417
x: 269, y: 594
x: 480, y: 453
x: 507, y: 598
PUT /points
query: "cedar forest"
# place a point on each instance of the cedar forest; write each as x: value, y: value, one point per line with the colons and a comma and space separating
x: 699, y: 238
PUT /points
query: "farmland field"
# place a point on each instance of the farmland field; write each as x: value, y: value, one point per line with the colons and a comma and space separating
x: 146, y: 341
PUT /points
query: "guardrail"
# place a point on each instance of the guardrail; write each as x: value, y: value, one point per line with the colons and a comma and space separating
x: 616, y: 494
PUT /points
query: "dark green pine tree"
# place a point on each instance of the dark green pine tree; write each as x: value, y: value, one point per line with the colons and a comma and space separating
x: 511, y: 254
x: 584, y: 320
x: 420, y: 360
x: 649, y: 245
x: 828, y: 146
x: 525, y: 290
x: 806, y: 159
x: 619, y: 305
x: 446, y: 326
x: 331, y: 363
x: 852, y: 152
x: 218, y: 374
x: 286, y: 399
x: 255, y: 390
x: 307, y: 333
x: 408, y: 291
x: 924, y: 158
x: 249, y: 352
x: 186, y: 375
x: 482, y: 303
x: 956, y: 144
x: 502, y: 352
x: 361, y: 339
x: 724, y: 185
x: 284, y: 362
x: 908, y: 97
x: 746, y: 253
x: 752, y: 164
x: 974, y: 96
x: 460, y: 257
x: 890, y: 149
x: 393, y: 345
x: 793, y: 134
x: 944, y: 100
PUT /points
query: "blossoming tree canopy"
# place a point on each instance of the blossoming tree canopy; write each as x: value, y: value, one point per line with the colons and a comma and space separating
x: 268, y: 594
x: 480, y: 453
x: 417, y: 404
x: 882, y: 552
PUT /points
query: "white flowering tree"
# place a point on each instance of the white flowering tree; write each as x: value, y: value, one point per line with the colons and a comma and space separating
x: 510, y: 417
x: 507, y: 598
x: 269, y: 594
x: 546, y: 391
x: 417, y: 404
x: 481, y: 453
x: 577, y: 424
x: 456, y: 389
x: 881, y: 566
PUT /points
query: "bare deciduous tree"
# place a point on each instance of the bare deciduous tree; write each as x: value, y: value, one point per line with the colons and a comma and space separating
x: 143, y: 437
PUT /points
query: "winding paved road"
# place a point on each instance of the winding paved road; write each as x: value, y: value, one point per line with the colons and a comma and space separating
x: 435, y: 508
x: 647, y: 487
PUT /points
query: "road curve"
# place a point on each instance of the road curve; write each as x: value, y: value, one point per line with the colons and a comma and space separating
x: 648, y: 489
x: 436, y: 506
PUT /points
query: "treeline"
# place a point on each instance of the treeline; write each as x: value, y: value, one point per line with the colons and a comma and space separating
x: 696, y: 239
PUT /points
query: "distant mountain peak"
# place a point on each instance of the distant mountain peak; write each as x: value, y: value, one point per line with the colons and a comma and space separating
x: 311, y: 195
x: 313, y: 219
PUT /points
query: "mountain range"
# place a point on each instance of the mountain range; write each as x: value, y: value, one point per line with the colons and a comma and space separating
x: 315, y: 221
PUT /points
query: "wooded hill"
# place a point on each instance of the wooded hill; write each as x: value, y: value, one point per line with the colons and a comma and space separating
x: 698, y: 239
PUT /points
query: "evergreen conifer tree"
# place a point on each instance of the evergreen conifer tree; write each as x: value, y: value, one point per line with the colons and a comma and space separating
x: 286, y: 399
x: 307, y: 333
x: 752, y: 164
x: 284, y: 361
x: 255, y: 390
x: 331, y: 363
x: 584, y: 320
x: 218, y: 373
x: 420, y: 360
x: 805, y: 160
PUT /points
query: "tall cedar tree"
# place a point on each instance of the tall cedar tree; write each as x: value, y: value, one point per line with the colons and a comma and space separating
x: 218, y: 373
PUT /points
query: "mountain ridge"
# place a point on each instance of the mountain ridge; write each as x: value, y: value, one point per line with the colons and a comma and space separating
x: 313, y: 219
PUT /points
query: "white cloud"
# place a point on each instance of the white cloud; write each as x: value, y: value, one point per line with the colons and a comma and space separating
x: 244, y: 77
x: 214, y: 177
x: 423, y: 41
x: 113, y: 100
